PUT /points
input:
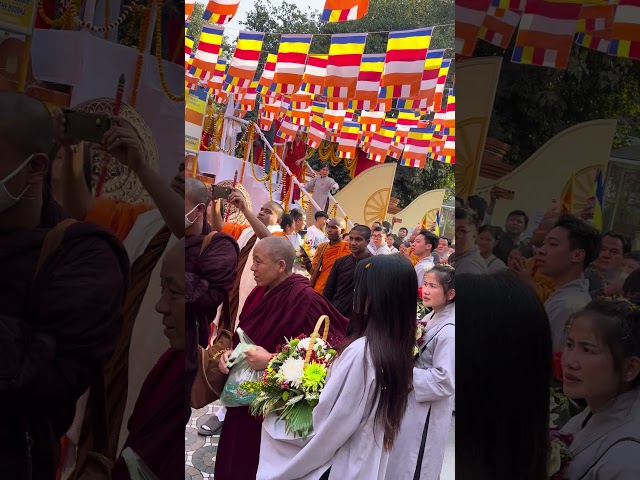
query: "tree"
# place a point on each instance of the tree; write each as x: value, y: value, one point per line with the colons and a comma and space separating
x: 195, y: 29
x: 533, y: 104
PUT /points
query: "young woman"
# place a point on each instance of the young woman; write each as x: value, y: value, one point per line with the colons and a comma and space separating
x: 358, y: 417
x: 601, y: 364
x: 487, y: 240
x: 504, y: 334
x: 419, y: 451
x: 320, y: 186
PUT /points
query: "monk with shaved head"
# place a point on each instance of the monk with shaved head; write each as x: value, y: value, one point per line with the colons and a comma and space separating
x: 282, y: 305
x: 61, y: 301
x: 327, y: 254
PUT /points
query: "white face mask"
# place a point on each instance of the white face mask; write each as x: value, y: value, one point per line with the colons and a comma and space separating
x: 6, y: 199
x: 187, y: 222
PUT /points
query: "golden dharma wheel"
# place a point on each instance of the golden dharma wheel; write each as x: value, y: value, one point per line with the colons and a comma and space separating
x: 583, y: 193
x: 121, y: 183
x: 236, y: 215
x: 375, y: 208
x: 429, y: 218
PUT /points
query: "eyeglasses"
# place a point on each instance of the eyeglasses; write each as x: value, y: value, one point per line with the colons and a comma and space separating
x: 376, y: 236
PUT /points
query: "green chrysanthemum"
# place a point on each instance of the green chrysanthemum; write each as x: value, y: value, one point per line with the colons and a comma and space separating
x: 313, y: 377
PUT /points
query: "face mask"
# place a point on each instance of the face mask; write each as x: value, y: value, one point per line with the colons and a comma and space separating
x: 187, y: 222
x: 6, y: 199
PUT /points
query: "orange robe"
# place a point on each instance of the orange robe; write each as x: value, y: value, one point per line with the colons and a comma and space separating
x: 329, y: 257
x: 116, y: 215
x: 543, y: 285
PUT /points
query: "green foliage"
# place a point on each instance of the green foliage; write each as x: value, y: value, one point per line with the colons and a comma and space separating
x: 533, y: 104
x: 195, y: 28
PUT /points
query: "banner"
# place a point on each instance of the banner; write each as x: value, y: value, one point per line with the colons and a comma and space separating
x: 16, y: 16
x: 196, y: 103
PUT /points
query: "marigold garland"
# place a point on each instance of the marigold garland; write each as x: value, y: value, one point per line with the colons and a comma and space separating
x: 144, y: 30
x: 163, y: 80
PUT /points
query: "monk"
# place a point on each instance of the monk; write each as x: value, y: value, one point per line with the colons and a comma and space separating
x: 295, y: 155
x: 210, y: 274
x: 57, y: 326
x: 146, y: 232
x: 327, y: 253
x: 156, y: 431
x: 283, y: 304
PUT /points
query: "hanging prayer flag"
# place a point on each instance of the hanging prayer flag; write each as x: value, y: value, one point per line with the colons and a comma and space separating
x: 314, y: 74
x: 369, y: 76
x: 343, y: 67
x: 348, y: 140
x: 220, y: 11
x: 546, y: 34
x: 245, y: 60
x: 288, y: 130
x: 188, y: 51
x: 625, y: 32
x: 417, y: 147
x: 248, y: 100
x: 333, y: 119
x: 470, y: 16
x: 266, y: 80
x: 404, y: 63
x: 380, y: 143
x: 316, y: 127
x: 216, y: 81
x: 291, y: 61
x: 442, y: 80
x: 188, y: 9
x: 344, y: 10
x: 423, y: 102
x: 206, y: 56
x: 499, y: 25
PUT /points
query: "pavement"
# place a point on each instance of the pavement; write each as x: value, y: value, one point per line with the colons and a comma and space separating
x: 200, y: 452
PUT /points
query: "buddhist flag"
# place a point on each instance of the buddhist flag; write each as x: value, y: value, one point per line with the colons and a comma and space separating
x: 288, y: 130
x: 266, y: 80
x: 188, y: 9
x: 245, y: 60
x: 380, y: 143
x: 344, y: 10
x: 206, y: 56
x: 417, y: 147
x: 499, y: 25
x: 188, y: 51
x: 404, y: 63
x: 343, y: 67
x: 248, y: 100
x: 371, y: 121
x: 348, y: 139
x: 442, y: 80
x: 598, y: 198
x: 470, y: 16
x: 220, y: 11
x: 437, y: 232
x: 333, y: 119
x: 301, y: 109
x: 424, y: 100
x: 625, y: 33
x: 314, y: 74
x: 216, y: 81
x: 291, y: 61
x: 546, y: 34
x: 316, y: 128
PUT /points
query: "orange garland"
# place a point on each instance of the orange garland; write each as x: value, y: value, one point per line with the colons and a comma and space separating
x: 144, y: 30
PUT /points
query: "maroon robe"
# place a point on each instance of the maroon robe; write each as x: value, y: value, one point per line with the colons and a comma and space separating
x: 208, y: 280
x: 61, y: 328
x: 291, y: 309
x: 156, y: 430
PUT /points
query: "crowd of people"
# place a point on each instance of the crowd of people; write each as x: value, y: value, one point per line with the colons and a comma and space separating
x: 558, y: 310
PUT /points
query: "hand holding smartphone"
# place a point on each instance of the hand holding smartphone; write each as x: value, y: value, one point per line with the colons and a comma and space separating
x: 86, y: 127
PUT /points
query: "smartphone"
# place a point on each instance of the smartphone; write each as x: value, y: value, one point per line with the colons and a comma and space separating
x: 218, y: 191
x: 507, y: 194
x: 86, y: 127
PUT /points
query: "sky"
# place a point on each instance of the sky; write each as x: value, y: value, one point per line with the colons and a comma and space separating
x: 246, y: 5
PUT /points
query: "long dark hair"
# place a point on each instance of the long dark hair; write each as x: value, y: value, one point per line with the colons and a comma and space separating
x: 384, y: 312
x: 505, y: 369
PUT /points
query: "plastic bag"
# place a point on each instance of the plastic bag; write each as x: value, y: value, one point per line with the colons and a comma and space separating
x: 138, y: 470
x: 240, y: 372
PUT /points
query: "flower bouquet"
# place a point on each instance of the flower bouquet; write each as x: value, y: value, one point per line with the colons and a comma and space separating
x: 559, y: 455
x: 309, y: 246
x: 292, y: 383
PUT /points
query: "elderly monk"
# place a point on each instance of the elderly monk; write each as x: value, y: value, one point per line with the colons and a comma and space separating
x: 260, y: 226
x: 147, y: 233
x: 156, y: 428
x: 283, y: 304
x: 57, y: 326
x: 210, y: 274
x: 327, y: 254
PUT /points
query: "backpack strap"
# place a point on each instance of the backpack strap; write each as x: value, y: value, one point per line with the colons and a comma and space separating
x: 53, y: 240
x: 206, y: 241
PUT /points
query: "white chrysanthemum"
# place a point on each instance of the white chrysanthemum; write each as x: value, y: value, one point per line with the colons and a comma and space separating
x: 292, y: 370
x: 304, y: 344
x: 555, y: 459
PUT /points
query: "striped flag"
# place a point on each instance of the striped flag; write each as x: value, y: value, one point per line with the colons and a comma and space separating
x: 248, y: 100
x: 206, y: 56
x: 301, y: 109
x: 314, y: 74
x: 424, y: 100
x: 442, y: 80
x: 288, y: 130
x: 291, y: 61
x: 316, y: 128
x: 567, y: 201
x: 368, y: 82
x: 344, y: 10
x: 499, y: 25
x: 343, y: 67
x: 598, y: 198
x: 546, y: 34
x: 625, y: 33
x: 417, y: 147
x: 333, y: 119
x: 266, y: 80
x: 348, y: 140
x: 245, y: 60
x: 188, y: 51
x: 470, y: 15
x: 595, y: 27
x: 188, y: 9
x: 220, y: 11
x: 216, y: 81
x: 371, y: 121
x: 380, y: 143
x: 396, y: 149
x: 437, y: 232
x: 404, y: 63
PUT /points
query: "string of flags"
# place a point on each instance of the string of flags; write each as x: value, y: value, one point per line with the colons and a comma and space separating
x: 548, y: 29
x: 344, y: 96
